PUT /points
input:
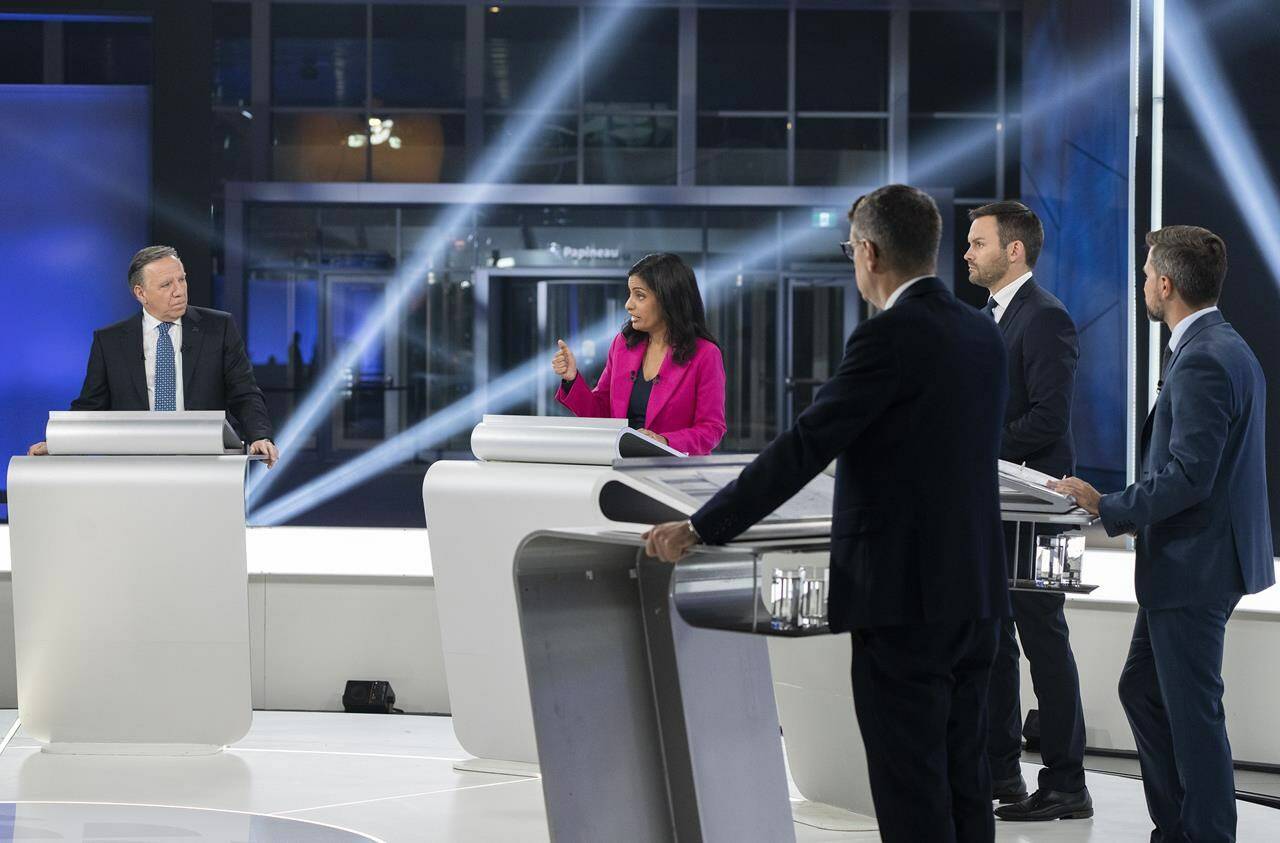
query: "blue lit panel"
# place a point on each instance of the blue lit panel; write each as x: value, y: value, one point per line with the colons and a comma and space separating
x: 75, y: 186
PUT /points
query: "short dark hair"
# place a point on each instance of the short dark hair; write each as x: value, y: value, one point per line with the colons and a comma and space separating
x: 676, y: 289
x: 1193, y: 258
x: 903, y: 222
x: 142, y: 257
x: 1015, y: 221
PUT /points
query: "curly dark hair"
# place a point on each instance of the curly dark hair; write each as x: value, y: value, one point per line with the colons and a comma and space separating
x: 676, y: 288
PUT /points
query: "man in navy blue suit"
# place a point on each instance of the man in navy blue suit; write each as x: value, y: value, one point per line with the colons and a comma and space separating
x: 913, y: 416
x: 1005, y: 239
x: 1199, y: 514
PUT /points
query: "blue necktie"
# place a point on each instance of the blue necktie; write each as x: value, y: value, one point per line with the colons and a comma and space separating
x: 166, y: 375
x: 990, y: 309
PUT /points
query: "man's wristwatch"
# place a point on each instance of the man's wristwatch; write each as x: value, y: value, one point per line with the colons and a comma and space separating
x: 693, y: 531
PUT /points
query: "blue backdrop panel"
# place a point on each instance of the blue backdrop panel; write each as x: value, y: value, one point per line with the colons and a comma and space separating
x: 75, y: 187
x: 1075, y: 159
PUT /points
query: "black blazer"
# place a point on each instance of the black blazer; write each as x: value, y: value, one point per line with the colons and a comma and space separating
x: 216, y: 373
x: 1043, y: 353
x: 914, y: 415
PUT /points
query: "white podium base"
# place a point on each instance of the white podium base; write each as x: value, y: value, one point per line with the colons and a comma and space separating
x: 830, y: 818
x: 499, y: 767
x: 171, y: 750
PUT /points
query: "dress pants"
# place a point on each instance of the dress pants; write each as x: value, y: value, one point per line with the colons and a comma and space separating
x: 1171, y: 690
x: 920, y: 693
x: 1042, y: 628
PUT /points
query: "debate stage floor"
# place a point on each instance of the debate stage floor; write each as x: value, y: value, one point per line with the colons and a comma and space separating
x: 309, y: 777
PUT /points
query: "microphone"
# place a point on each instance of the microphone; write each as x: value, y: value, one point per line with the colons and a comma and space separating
x: 633, y: 375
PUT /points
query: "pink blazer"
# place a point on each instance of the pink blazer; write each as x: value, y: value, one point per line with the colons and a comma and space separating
x: 686, y: 404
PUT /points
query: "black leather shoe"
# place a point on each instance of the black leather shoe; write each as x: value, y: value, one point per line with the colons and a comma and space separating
x: 1049, y: 805
x: 1009, y: 790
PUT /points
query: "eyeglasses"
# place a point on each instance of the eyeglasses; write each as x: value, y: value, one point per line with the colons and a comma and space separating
x: 850, y: 247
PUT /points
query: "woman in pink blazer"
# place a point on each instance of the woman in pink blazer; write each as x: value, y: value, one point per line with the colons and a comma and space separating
x: 664, y: 373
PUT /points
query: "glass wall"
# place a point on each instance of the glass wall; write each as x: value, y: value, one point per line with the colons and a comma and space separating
x: 775, y: 93
x: 715, y: 96
x: 490, y: 297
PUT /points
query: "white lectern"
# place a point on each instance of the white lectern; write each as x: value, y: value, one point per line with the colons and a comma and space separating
x: 130, y: 586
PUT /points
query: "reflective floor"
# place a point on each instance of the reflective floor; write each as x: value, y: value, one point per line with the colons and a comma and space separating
x: 347, y: 777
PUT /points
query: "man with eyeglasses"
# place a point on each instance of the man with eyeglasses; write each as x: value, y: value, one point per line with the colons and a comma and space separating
x: 913, y: 416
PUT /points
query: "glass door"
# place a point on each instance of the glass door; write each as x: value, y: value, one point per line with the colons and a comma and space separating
x: 824, y: 311
x: 372, y: 405
x: 586, y: 313
x: 522, y: 318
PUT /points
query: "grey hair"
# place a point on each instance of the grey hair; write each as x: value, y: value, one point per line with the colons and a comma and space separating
x: 150, y: 254
x: 1193, y: 258
x: 905, y: 225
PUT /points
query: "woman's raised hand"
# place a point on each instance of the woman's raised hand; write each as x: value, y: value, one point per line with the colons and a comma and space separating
x: 564, y: 364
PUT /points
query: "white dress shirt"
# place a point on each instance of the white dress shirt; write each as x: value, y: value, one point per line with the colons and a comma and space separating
x: 1007, y: 293
x: 1180, y: 330
x: 150, y: 334
x: 897, y: 294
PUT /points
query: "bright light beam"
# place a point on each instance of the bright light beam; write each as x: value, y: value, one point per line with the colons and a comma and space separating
x: 1222, y: 125
x: 495, y: 164
x: 498, y: 395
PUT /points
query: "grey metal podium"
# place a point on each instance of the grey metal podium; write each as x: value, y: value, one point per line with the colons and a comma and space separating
x: 654, y: 717
x: 130, y: 586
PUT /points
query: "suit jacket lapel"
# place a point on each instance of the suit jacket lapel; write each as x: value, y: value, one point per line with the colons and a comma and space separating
x: 1019, y: 299
x: 135, y: 358
x: 669, y: 376
x: 192, y: 342
x: 630, y: 366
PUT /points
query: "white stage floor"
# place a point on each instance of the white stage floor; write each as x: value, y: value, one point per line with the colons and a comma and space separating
x: 383, y: 777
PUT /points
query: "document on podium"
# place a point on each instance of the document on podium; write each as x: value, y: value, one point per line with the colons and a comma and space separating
x: 697, y: 480
x: 1024, y: 489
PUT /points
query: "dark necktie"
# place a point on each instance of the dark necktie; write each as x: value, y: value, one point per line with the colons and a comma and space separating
x: 166, y: 387
x: 990, y: 308
x: 1165, y: 354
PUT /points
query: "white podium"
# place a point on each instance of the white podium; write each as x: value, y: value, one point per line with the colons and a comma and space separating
x: 130, y: 586
x: 531, y: 473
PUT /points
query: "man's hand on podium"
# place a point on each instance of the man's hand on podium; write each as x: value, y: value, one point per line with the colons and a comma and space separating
x: 1086, y: 496
x: 266, y: 448
x: 40, y: 449
x: 669, y: 542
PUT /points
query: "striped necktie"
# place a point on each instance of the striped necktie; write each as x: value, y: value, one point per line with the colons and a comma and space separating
x: 166, y: 375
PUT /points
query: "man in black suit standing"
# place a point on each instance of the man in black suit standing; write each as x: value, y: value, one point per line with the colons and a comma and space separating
x: 1005, y: 239
x: 1203, y: 537
x: 913, y: 416
x: 173, y: 356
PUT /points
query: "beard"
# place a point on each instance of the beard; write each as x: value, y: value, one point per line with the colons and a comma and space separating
x: 1154, y: 315
x: 988, y: 275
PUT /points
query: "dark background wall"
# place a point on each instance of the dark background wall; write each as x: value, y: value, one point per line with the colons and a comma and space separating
x: 178, y: 69
x: 1075, y: 164
x: 1244, y: 40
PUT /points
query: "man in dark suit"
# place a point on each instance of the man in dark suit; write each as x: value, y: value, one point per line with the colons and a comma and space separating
x: 172, y: 356
x: 1005, y: 239
x: 913, y: 416
x: 1203, y: 537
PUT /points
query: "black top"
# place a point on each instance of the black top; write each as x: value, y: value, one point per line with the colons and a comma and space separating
x: 641, y: 389
x: 920, y: 394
